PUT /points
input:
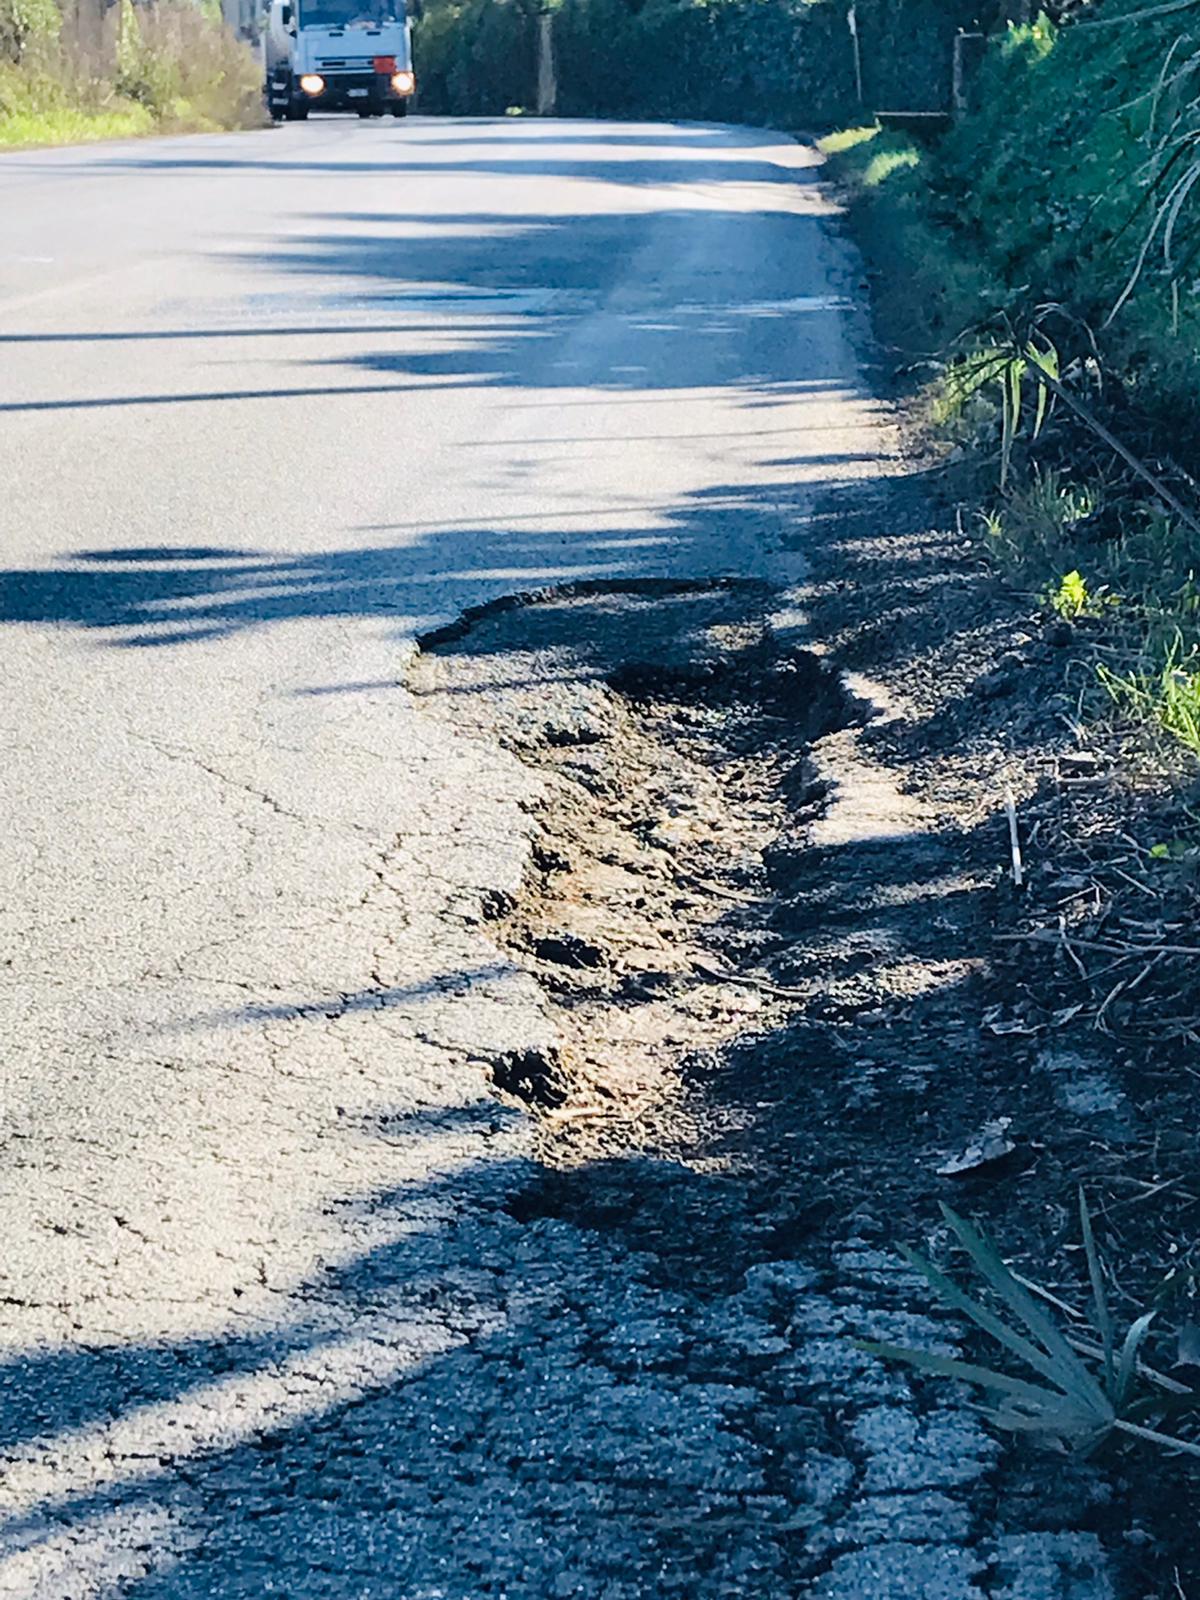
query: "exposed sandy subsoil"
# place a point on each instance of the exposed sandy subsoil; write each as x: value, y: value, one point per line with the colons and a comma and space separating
x: 767, y: 908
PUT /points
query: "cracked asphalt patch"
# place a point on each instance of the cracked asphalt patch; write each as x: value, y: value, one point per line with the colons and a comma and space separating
x: 688, y: 751
x: 564, y: 1344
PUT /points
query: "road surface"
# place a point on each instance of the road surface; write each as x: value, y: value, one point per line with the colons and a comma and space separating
x: 271, y: 405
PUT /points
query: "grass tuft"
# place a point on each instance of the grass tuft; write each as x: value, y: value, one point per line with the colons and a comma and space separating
x: 1077, y: 1395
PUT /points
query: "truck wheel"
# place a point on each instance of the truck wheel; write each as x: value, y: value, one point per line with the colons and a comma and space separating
x: 400, y: 110
x: 365, y: 112
x: 296, y: 111
x: 275, y: 95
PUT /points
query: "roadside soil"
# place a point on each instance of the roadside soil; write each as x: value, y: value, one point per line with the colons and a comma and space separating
x: 771, y: 908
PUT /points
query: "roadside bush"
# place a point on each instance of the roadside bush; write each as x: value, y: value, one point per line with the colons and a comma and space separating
x: 478, y: 58
x: 41, y: 106
x: 186, y: 68
x: 171, y: 66
x: 1061, y: 215
x: 1055, y: 180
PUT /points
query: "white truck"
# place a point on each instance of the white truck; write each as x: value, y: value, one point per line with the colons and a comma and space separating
x: 338, y: 55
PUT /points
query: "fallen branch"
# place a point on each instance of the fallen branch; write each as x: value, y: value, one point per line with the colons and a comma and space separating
x: 716, y: 974
x: 1018, y: 870
x: 1088, y: 417
x: 1105, y: 947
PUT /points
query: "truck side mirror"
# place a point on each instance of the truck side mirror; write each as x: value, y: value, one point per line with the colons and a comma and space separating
x: 285, y: 16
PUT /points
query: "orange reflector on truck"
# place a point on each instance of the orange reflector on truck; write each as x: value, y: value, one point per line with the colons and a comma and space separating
x: 385, y: 63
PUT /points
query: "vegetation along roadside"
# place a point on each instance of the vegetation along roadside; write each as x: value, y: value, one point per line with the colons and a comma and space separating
x: 1034, y: 267
x: 70, y: 73
x: 1046, y: 316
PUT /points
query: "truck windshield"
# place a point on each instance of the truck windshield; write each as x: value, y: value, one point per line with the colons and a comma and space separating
x: 343, y: 13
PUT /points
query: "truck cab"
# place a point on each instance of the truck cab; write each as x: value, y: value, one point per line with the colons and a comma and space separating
x: 338, y: 55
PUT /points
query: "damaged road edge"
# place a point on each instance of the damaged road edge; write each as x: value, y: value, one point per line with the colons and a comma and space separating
x: 674, y: 787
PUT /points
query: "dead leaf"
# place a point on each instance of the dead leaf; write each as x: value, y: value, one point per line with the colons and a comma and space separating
x: 989, y: 1146
x: 1012, y: 1025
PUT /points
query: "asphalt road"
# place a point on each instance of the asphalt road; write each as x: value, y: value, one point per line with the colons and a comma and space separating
x: 270, y: 405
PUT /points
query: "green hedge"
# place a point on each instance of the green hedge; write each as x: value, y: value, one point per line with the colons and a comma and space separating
x: 761, y: 61
x: 477, y: 58
x: 907, y: 49
x: 787, y: 63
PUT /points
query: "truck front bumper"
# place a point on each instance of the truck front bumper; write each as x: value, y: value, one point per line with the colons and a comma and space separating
x: 355, y: 91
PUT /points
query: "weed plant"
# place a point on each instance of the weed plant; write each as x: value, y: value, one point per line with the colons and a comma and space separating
x: 167, y: 67
x: 1071, y: 1392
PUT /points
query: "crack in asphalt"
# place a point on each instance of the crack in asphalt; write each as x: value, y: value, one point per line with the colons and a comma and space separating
x: 295, y: 1303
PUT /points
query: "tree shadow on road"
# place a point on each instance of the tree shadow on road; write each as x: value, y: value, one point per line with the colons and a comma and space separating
x: 507, y: 1404
x: 155, y: 596
x: 481, y: 299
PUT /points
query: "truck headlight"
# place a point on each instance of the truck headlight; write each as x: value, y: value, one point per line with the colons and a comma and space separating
x: 403, y: 82
x: 312, y: 83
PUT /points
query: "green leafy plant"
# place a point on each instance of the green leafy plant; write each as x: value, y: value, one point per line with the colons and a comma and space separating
x: 993, y: 527
x: 1079, y: 1393
x: 1011, y: 365
x: 1167, y: 693
x: 1071, y: 598
x: 1173, y: 850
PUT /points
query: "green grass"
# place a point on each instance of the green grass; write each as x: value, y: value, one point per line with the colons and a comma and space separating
x: 175, y: 69
x: 926, y: 286
x: 885, y: 163
x: 843, y: 139
x: 35, y: 108
x: 73, y: 127
x: 1030, y: 230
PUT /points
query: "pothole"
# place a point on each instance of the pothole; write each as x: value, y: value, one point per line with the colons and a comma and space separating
x: 672, y: 730
x: 768, y: 963
x: 534, y: 1077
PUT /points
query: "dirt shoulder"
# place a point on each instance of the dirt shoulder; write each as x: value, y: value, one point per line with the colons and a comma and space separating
x: 1076, y: 1024
x: 772, y: 912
